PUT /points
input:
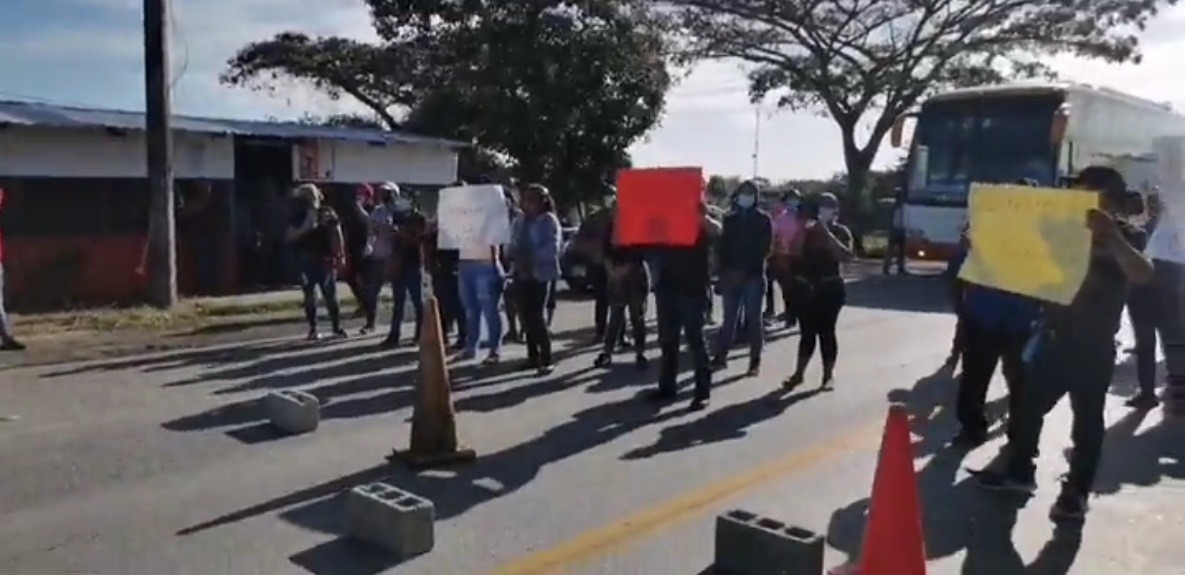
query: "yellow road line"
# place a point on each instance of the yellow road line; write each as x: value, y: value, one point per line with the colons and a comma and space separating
x: 631, y: 529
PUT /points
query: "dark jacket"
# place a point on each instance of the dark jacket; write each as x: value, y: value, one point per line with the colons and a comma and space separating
x: 745, y: 243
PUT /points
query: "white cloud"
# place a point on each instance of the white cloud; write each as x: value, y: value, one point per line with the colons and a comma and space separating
x: 709, y: 120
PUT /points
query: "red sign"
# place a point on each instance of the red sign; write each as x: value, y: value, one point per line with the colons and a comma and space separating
x: 659, y: 206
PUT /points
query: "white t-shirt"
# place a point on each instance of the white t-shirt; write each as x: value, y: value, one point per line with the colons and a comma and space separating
x: 380, y: 239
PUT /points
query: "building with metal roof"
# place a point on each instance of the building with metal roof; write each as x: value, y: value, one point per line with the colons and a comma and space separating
x: 17, y: 113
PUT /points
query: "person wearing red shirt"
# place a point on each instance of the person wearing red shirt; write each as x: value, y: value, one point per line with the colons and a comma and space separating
x: 7, y: 341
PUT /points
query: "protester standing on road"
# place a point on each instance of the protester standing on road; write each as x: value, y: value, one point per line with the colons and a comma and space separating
x: 682, y: 296
x: 536, y: 248
x: 995, y: 326
x: 1073, y: 351
x: 405, y: 266
x: 786, y: 227
x: 897, y: 236
x: 481, y: 280
x: 826, y: 244
x: 315, y: 233
x: 1155, y: 309
x: 445, y: 283
x: 743, y: 250
x: 356, y: 230
x: 628, y: 290
x: 510, y: 298
x: 957, y: 297
x: 8, y: 341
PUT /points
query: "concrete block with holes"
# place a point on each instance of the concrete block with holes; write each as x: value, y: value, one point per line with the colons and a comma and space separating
x: 293, y: 411
x: 391, y: 518
x: 749, y: 544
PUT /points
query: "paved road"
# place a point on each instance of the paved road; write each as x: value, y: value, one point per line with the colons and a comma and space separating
x: 160, y: 465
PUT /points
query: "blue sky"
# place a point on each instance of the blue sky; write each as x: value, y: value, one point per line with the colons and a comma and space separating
x: 88, y: 52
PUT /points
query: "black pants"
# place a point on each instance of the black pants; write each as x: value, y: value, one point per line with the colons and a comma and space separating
x: 1061, y: 367
x: 769, y: 297
x: 356, y: 277
x: 448, y: 297
x: 982, y: 350
x: 682, y: 315
x: 894, y: 251
x: 1155, y: 310
x: 371, y: 273
x: 532, y: 309
x: 820, y: 301
x: 636, y: 311
x: 599, y: 282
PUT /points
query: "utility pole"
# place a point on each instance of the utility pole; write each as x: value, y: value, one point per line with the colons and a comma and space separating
x: 757, y: 143
x: 162, y: 247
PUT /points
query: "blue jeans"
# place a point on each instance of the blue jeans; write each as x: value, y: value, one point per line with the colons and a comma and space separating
x: 481, y: 286
x: 745, y: 297
x: 316, y: 274
x: 408, y: 285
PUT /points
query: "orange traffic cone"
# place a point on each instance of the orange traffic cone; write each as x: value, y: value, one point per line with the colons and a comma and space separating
x: 894, y: 543
x: 434, y: 440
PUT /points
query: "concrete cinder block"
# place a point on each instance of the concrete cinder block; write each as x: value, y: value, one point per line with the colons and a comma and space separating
x: 749, y: 544
x: 391, y: 518
x: 293, y: 411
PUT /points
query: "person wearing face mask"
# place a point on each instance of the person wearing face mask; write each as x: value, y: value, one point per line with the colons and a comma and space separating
x: 315, y: 233
x: 743, y: 250
x: 787, y: 227
x: 823, y: 247
x: 405, y: 233
x: 1072, y: 352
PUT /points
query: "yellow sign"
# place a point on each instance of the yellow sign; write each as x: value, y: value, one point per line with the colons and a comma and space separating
x: 1029, y: 241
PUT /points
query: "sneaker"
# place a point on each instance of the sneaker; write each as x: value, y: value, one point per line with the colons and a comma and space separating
x: 792, y: 382
x: 491, y: 359
x: 339, y: 333
x: 603, y: 360
x: 1071, y: 505
x: 12, y: 345
x: 313, y: 335
x: 754, y: 368
x: 545, y: 370
x: 389, y: 343
x: 968, y: 440
x: 998, y: 481
x: 641, y: 363
x: 699, y: 403
x: 1143, y: 401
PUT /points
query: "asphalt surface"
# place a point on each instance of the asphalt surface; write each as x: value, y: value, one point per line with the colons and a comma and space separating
x: 161, y: 465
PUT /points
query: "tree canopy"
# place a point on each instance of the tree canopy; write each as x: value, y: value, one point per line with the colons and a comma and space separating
x: 851, y: 59
x: 557, y: 89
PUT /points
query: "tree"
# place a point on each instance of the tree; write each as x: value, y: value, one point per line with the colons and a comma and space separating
x: 854, y: 58
x: 559, y: 89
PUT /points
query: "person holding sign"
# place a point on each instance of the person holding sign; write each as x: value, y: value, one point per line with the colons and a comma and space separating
x: 681, y: 295
x: 535, y: 245
x: 1072, y: 351
x: 744, y: 251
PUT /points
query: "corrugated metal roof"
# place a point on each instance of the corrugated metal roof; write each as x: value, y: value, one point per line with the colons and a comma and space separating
x: 39, y: 114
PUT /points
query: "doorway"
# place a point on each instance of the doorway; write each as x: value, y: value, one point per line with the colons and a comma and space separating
x: 263, y: 175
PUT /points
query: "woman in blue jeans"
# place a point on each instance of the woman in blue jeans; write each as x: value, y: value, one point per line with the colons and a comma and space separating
x: 480, y: 281
x: 535, y: 245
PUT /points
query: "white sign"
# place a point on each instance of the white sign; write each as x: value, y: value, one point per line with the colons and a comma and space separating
x: 472, y: 216
x: 1168, y: 239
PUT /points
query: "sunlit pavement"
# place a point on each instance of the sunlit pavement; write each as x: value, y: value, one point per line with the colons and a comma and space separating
x: 162, y: 466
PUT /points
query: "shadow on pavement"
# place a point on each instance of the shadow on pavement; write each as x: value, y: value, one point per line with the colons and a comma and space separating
x: 343, y: 556
x: 909, y: 293
x: 180, y: 359
x: 731, y: 422
x: 1141, y: 459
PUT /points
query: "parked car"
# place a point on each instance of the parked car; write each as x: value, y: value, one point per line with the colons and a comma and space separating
x: 574, y: 266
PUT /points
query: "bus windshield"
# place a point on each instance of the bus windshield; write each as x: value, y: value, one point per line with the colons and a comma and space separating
x: 993, y: 139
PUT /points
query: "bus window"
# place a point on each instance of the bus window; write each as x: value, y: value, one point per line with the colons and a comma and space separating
x: 989, y: 140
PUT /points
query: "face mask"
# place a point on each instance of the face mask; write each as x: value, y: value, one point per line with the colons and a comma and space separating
x: 401, y: 204
x: 610, y: 201
x: 746, y: 201
x: 827, y: 215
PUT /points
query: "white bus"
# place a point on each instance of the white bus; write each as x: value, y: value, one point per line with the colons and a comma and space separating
x: 1003, y: 133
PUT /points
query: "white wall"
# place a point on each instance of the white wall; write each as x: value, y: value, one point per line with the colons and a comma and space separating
x: 353, y: 162
x: 94, y: 153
